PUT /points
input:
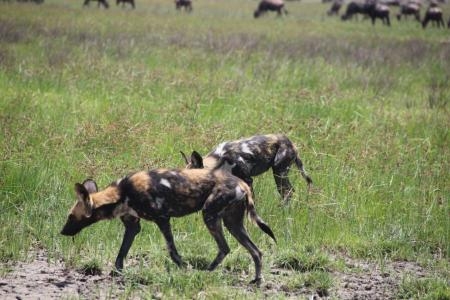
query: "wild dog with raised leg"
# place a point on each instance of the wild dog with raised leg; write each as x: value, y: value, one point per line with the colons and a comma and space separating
x: 161, y: 194
x: 253, y: 156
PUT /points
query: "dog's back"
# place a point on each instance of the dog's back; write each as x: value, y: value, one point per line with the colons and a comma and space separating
x: 253, y: 156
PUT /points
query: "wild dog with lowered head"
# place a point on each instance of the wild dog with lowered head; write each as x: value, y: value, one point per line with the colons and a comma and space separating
x: 253, y: 156
x: 160, y: 194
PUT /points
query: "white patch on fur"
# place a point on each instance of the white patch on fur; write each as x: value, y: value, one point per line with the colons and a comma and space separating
x: 239, y: 193
x: 159, y: 202
x: 219, y: 150
x: 245, y: 148
x: 118, y: 181
x: 241, y: 159
x: 166, y: 183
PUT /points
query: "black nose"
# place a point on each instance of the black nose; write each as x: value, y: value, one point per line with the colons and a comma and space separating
x: 65, y: 231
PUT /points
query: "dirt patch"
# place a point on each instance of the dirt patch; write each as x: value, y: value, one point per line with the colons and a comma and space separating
x: 40, y: 279
x: 361, y: 280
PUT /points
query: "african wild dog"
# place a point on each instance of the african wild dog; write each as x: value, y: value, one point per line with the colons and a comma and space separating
x: 255, y: 155
x: 160, y: 194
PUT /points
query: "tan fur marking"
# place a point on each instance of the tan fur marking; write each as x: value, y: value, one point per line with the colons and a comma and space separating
x: 78, y: 210
x: 141, y: 181
x: 195, y: 175
x: 107, y: 196
x: 209, y: 162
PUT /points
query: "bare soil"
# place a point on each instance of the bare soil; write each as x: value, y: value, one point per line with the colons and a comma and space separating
x: 40, y: 279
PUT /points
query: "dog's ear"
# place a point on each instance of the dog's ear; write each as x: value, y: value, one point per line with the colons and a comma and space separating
x: 91, y: 186
x: 83, y: 197
x: 185, y: 157
x: 196, y: 160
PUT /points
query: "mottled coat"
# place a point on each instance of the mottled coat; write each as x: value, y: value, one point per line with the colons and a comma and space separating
x: 161, y: 194
x: 255, y: 155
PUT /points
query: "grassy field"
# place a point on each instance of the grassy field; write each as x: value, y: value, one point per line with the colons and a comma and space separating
x: 99, y: 93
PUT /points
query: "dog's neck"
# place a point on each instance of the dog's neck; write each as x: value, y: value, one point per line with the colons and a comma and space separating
x: 109, y: 195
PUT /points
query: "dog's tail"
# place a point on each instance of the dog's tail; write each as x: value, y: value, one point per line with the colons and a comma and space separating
x: 299, y: 164
x: 253, y: 216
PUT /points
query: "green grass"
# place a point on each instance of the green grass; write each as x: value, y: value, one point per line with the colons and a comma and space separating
x: 95, y: 93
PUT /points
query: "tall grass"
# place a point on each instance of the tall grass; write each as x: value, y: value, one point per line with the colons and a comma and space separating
x: 96, y: 93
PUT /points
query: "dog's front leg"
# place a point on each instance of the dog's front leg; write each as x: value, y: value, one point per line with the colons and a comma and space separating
x: 132, y: 228
x: 164, y: 226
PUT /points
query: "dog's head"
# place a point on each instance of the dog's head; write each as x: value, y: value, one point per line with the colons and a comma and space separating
x: 81, y: 214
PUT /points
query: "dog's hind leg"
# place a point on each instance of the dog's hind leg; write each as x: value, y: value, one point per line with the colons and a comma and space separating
x: 214, y: 225
x: 212, y: 210
x: 132, y: 228
x: 164, y: 226
x: 234, y: 221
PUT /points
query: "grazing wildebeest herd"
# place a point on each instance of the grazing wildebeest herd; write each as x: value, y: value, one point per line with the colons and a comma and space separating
x: 380, y: 9
x: 369, y: 9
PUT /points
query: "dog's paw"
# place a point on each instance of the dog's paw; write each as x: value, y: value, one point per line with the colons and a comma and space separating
x: 256, y: 282
x: 115, y: 273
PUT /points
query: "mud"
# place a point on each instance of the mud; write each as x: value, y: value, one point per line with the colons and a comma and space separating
x: 40, y: 279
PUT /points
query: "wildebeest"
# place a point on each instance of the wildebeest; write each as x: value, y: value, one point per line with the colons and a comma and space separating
x: 380, y: 11
x: 161, y: 194
x: 408, y: 9
x: 335, y: 7
x: 448, y: 24
x: 34, y: 1
x: 370, y: 8
x: 253, y: 156
x: 270, y: 5
x: 354, y: 8
x: 131, y: 2
x: 390, y: 2
x: 100, y: 2
x: 433, y: 14
x: 187, y: 4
